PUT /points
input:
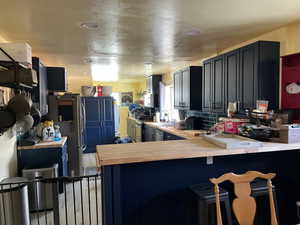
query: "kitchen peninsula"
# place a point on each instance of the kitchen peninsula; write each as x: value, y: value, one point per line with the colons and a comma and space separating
x: 147, y: 183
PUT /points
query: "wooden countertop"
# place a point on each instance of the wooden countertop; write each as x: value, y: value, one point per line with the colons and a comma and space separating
x: 169, y: 150
x: 187, y: 134
x: 41, y: 145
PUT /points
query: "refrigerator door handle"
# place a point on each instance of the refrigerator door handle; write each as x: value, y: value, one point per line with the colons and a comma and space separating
x: 84, y: 116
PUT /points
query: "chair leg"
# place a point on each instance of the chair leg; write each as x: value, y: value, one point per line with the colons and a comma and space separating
x: 276, y: 205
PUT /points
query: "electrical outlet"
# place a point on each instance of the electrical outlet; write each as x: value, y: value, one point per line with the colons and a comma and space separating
x: 209, y: 160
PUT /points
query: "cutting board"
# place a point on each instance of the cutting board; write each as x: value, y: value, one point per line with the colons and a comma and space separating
x: 231, y: 141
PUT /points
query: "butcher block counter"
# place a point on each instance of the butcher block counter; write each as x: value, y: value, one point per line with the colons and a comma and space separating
x: 169, y: 150
x: 186, y: 134
x: 46, y: 144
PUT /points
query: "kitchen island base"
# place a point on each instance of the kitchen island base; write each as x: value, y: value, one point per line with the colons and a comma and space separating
x: 154, y: 193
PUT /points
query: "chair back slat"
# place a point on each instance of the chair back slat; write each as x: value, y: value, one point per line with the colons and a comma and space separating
x: 244, y: 205
x: 218, y: 205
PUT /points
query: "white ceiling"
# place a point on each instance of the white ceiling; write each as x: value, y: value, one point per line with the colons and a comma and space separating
x: 134, y: 32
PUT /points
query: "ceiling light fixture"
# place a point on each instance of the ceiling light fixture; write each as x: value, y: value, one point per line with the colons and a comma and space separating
x: 89, y: 25
x: 103, y: 72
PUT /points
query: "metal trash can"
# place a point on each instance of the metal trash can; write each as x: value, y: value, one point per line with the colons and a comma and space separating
x: 40, y: 192
x: 14, y: 206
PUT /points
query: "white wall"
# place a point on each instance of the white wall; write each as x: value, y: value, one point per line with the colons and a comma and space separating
x: 8, y: 154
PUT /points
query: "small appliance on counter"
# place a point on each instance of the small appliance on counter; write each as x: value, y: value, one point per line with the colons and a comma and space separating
x: 193, y: 123
x: 230, y: 125
x: 290, y: 133
x: 180, y: 125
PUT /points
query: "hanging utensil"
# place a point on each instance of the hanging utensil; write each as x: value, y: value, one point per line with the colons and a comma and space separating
x: 20, y: 105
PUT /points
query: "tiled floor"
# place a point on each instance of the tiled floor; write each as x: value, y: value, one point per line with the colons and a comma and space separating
x: 86, y: 215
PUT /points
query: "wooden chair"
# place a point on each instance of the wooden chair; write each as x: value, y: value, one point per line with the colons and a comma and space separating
x: 244, y: 205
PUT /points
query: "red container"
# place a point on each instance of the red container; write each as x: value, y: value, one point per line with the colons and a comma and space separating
x: 231, y: 125
x: 99, y: 90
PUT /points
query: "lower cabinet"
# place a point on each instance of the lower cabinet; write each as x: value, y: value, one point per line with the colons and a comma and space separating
x: 155, y: 134
x: 134, y: 130
x: 159, y: 135
x: 148, y: 133
x: 131, y: 128
x: 171, y: 137
x: 42, y: 158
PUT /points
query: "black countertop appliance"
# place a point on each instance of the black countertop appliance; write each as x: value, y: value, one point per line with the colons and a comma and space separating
x: 193, y: 123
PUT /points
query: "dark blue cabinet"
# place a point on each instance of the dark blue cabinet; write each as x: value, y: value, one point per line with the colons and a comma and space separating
x: 36, y: 158
x: 244, y: 75
x: 100, y: 126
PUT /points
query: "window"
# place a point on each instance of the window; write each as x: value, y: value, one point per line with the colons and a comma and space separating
x: 116, y: 96
x: 167, y: 107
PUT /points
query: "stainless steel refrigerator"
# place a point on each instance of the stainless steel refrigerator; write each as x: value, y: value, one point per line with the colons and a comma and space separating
x: 68, y: 112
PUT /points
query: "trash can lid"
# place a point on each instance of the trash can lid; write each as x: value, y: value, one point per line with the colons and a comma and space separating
x: 12, y: 183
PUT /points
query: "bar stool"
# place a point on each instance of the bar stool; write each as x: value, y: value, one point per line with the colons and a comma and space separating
x: 259, y: 191
x: 206, y: 203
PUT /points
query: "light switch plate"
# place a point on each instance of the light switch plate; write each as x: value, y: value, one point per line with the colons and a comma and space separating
x: 209, y: 160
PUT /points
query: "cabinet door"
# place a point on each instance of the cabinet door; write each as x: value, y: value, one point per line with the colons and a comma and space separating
x: 206, y: 85
x: 171, y: 137
x: 93, y: 135
x: 149, y: 133
x: 159, y: 135
x: 145, y: 133
x: 107, y: 119
x: 231, y: 66
x: 248, y: 76
x: 186, y: 88
x: 218, y: 102
x: 177, y: 89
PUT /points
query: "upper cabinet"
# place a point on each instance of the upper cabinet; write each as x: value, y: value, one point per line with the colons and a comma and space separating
x: 206, y: 85
x: 232, y: 76
x: 40, y: 93
x: 218, y: 84
x: 188, y: 88
x: 177, y: 89
x: 244, y: 75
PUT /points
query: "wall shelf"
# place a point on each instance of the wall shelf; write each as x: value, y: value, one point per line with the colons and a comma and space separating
x: 16, y: 67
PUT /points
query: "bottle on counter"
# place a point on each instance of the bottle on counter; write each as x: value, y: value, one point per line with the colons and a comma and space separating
x: 57, y: 134
x: 157, y: 117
